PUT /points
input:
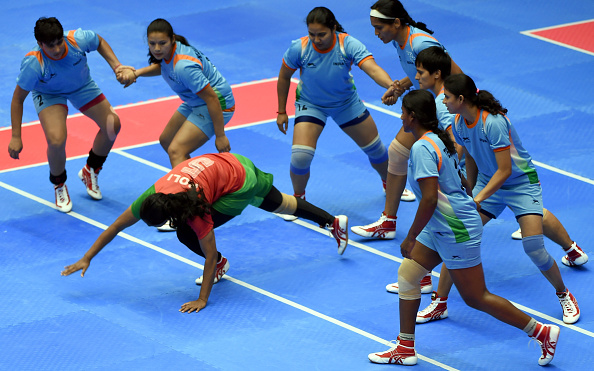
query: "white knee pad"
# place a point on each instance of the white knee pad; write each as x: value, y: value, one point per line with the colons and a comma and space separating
x: 288, y: 205
x: 409, y: 279
x: 301, y: 158
x: 398, y: 158
x: 376, y: 151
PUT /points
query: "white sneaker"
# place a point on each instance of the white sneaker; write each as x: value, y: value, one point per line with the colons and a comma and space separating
x: 517, y: 235
x: 547, y: 337
x: 166, y: 227
x: 407, y: 195
x: 571, y: 310
x: 222, y: 268
x: 339, y: 230
x: 402, y: 353
x: 426, y: 285
x: 384, y: 228
x: 286, y: 217
x: 63, y: 202
x: 438, y: 309
x: 88, y: 175
x: 575, y: 256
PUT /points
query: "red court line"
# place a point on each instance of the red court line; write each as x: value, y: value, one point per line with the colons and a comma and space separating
x: 142, y: 122
x: 578, y: 36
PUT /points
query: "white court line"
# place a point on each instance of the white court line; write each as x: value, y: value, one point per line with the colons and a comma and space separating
x: 531, y: 34
x: 227, y: 277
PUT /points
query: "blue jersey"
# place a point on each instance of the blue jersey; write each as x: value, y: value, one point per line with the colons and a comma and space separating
x: 325, y: 78
x: 416, y: 41
x: 456, y: 211
x: 188, y: 71
x: 46, y: 75
x: 489, y: 134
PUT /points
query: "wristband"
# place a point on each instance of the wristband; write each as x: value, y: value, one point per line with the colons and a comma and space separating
x: 281, y: 113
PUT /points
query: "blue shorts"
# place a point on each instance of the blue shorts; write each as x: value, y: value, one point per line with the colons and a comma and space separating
x: 455, y: 255
x: 200, y: 117
x: 350, y: 113
x: 79, y: 98
x: 522, y: 199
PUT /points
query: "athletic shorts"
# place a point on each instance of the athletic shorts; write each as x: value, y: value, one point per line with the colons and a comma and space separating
x: 455, y: 255
x: 200, y: 117
x: 82, y: 99
x: 351, y: 113
x: 522, y: 199
x: 256, y: 186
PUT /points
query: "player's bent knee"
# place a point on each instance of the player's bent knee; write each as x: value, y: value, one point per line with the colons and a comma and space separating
x: 398, y: 158
x: 536, y: 251
x: 288, y: 205
x: 301, y: 158
x: 376, y: 151
x: 410, y: 274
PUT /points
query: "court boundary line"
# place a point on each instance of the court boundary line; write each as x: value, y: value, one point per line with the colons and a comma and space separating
x: 255, y: 123
x: 244, y: 284
x: 542, y: 38
x: 359, y: 245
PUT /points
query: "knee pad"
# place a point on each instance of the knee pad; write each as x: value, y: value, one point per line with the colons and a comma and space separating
x: 288, y: 205
x: 410, y: 275
x: 398, y: 158
x: 376, y: 151
x: 535, y: 249
x: 301, y: 158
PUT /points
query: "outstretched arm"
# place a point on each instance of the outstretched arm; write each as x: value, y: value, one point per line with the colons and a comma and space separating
x: 209, y: 248
x: 122, y: 222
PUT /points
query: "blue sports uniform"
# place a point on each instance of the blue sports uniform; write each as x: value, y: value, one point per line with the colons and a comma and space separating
x: 417, y: 41
x: 53, y: 81
x: 326, y: 86
x: 446, y: 121
x: 488, y: 134
x: 455, y: 229
x: 188, y: 71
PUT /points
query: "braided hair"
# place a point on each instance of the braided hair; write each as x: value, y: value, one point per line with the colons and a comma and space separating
x: 461, y: 84
x: 422, y: 104
x: 394, y: 8
x: 177, y: 208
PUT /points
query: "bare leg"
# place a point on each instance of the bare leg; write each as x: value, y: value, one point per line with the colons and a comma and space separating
x: 470, y: 282
x: 53, y: 122
x: 109, y: 126
x: 555, y: 231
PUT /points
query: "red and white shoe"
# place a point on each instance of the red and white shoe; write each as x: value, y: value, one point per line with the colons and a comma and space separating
x: 340, y: 232
x: 426, y: 285
x: 575, y: 256
x: 571, y: 310
x: 407, y: 196
x: 88, y: 175
x: 222, y: 268
x: 384, y: 228
x: 438, y: 309
x: 63, y: 202
x: 403, y: 353
x: 547, y: 336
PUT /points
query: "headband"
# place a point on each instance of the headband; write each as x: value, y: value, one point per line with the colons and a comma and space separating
x: 377, y: 14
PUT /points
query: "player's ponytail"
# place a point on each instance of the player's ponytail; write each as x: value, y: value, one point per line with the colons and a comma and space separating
x: 421, y: 104
x: 463, y: 85
x: 177, y: 208
x: 395, y: 9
